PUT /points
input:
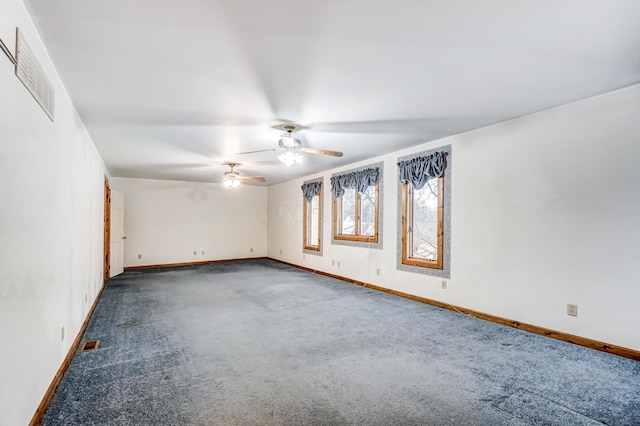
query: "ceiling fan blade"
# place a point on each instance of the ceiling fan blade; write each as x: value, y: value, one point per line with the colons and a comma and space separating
x: 253, y: 152
x: 322, y: 151
x: 258, y: 178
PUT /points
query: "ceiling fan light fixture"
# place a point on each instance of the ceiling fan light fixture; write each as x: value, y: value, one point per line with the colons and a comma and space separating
x: 230, y: 182
x: 231, y: 179
x: 287, y: 141
x: 289, y: 157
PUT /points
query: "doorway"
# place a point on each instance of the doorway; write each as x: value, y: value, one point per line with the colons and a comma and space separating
x: 116, y: 251
x: 107, y: 230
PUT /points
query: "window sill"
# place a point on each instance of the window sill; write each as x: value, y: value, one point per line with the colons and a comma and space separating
x: 359, y: 239
x: 422, y: 263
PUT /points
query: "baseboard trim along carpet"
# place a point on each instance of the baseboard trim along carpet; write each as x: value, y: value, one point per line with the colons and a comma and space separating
x: 554, y: 334
x: 173, y: 265
x: 46, y: 400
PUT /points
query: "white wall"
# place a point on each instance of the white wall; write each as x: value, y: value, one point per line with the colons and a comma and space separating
x: 51, y: 229
x: 513, y: 255
x: 166, y: 221
x: 545, y: 212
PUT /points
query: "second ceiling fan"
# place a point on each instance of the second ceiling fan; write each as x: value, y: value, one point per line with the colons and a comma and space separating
x: 291, y: 149
x: 233, y: 179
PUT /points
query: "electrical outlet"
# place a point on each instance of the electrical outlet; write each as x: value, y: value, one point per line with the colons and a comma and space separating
x: 572, y: 310
x: 62, y: 333
x: 333, y: 263
x: 139, y: 256
x: 378, y: 271
x: 252, y: 250
x: 338, y: 263
x: 203, y: 252
x: 280, y: 251
x: 444, y: 285
x: 195, y: 252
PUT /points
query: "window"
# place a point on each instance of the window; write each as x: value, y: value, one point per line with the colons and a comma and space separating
x: 424, y: 220
x: 356, y: 197
x: 422, y: 224
x: 312, y: 213
x: 312, y: 223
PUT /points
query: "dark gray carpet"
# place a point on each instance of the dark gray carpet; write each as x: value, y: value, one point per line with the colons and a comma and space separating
x: 260, y: 343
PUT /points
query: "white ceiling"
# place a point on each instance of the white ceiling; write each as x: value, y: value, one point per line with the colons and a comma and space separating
x: 172, y: 89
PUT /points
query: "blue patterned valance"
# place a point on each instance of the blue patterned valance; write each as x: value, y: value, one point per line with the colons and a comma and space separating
x: 420, y: 169
x: 311, y: 189
x: 361, y: 180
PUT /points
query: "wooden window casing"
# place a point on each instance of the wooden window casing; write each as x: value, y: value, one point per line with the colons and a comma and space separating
x: 356, y: 236
x: 407, y: 228
x: 308, y: 224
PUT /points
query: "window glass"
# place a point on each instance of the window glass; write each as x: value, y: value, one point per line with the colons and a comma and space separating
x: 424, y: 203
x: 368, y: 211
x: 348, y: 212
x: 314, y: 222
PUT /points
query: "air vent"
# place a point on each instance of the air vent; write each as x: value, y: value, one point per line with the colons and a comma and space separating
x: 29, y: 71
x: 90, y: 346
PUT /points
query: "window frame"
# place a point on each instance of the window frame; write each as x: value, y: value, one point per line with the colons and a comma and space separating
x: 357, y: 236
x: 375, y: 241
x: 306, y: 226
x: 306, y: 220
x: 407, y: 234
x: 442, y: 267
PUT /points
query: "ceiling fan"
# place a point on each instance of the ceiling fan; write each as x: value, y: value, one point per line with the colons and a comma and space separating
x: 232, y: 179
x: 291, y: 149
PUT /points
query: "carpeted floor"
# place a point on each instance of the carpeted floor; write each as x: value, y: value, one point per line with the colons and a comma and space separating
x: 260, y: 343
